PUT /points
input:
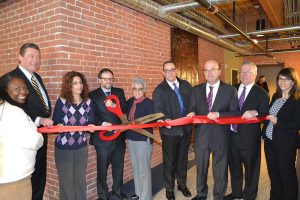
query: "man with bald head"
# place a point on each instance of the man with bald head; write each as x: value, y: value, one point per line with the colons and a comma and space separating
x: 213, y: 99
x: 245, y: 145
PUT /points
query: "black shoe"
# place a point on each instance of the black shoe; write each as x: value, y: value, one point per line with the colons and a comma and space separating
x: 199, y: 198
x: 231, y: 197
x: 170, y: 195
x: 185, y: 191
x: 134, y: 197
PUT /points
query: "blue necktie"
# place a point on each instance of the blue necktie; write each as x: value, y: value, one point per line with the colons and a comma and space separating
x: 176, y: 89
x: 107, y: 93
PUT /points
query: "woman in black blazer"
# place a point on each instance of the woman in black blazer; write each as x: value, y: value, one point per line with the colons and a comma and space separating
x: 281, y: 136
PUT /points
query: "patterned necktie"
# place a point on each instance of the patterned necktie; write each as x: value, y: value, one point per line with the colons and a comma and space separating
x: 176, y: 89
x: 38, y: 91
x: 209, y: 98
x: 242, y: 98
x: 241, y: 102
x: 107, y: 93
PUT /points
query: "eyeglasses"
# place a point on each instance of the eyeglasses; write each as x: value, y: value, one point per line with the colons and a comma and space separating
x: 246, y: 72
x: 285, y: 80
x: 169, y: 70
x: 210, y: 70
x: 108, y: 79
x: 137, y: 89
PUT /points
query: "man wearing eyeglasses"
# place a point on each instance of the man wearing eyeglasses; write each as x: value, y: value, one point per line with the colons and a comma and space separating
x: 171, y: 98
x: 245, y: 139
x: 213, y: 99
x: 108, y: 152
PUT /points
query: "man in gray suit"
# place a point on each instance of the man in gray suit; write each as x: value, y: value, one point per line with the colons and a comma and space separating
x: 213, y: 99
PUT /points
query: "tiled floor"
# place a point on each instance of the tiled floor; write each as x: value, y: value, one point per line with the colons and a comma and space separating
x: 263, y: 190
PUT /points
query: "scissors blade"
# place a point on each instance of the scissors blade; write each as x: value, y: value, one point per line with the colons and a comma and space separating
x: 147, y: 134
x: 148, y: 118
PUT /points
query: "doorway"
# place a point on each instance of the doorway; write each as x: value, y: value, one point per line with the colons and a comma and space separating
x: 270, y: 72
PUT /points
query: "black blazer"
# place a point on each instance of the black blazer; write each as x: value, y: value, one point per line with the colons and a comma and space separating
x: 166, y: 102
x: 33, y: 105
x: 226, y: 103
x: 103, y: 115
x: 248, y: 135
x: 285, y: 132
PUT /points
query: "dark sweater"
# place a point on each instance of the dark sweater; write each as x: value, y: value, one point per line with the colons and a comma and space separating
x: 144, y: 108
x: 72, y: 115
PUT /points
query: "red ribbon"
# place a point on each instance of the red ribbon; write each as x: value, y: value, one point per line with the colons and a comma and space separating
x: 176, y: 122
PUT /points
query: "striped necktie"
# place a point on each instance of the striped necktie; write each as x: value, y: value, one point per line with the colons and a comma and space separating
x: 209, y: 98
x: 38, y: 91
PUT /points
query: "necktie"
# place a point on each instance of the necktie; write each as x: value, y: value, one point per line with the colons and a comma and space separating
x: 38, y: 91
x: 107, y: 93
x: 176, y: 89
x: 209, y: 98
x: 241, y: 102
x: 242, y: 98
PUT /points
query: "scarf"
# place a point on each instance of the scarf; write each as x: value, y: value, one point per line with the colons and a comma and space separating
x: 133, y: 108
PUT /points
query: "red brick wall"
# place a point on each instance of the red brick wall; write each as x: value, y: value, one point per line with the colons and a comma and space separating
x: 85, y: 36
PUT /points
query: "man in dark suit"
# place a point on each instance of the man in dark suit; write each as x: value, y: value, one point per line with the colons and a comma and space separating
x: 245, y: 139
x: 213, y: 99
x: 108, y: 152
x: 171, y: 98
x: 38, y: 107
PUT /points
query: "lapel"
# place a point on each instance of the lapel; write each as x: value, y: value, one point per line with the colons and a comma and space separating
x: 249, y: 97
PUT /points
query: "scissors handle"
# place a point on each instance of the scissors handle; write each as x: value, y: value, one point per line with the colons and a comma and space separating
x: 110, y: 137
x: 117, y: 109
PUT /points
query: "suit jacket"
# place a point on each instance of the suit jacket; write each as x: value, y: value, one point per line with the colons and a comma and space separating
x: 103, y: 115
x: 166, y: 102
x: 226, y: 103
x: 33, y: 105
x: 285, y: 132
x: 248, y: 135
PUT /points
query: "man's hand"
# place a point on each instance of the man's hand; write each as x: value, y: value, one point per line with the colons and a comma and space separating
x: 106, y: 124
x: 110, y: 103
x: 165, y: 121
x: 213, y: 115
x: 46, y: 122
x: 191, y: 114
x: 249, y: 114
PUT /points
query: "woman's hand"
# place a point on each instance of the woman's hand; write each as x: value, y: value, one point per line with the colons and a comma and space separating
x: 272, y: 118
x: 91, y: 125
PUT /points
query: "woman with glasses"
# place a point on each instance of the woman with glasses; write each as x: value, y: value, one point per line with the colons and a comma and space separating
x: 139, y: 146
x: 73, y: 108
x: 281, y: 136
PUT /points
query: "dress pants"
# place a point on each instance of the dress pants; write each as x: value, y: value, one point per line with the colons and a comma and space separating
x: 219, y: 167
x: 17, y: 190
x: 250, y: 159
x: 140, y: 156
x: 38, y: 178
x: 71, y: 169
x: 175, y: 159
x: 113, y: 154
x: 282, y: 171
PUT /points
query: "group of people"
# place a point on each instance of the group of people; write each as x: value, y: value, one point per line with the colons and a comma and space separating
x: 24, y: 99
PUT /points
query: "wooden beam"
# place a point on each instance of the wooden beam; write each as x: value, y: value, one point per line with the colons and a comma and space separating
x: 274, y: 11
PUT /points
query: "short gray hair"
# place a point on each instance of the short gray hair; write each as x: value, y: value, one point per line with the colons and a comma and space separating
x: 254, y: 67
x: 141, y: 81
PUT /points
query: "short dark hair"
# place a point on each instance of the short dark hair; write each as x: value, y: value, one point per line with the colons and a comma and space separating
x: 167, y: 62
x: 104, y: 70
x: 25, y: 46
x: 4, y: 81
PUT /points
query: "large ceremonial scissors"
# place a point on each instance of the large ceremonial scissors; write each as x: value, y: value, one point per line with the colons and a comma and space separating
x: 142, y: 120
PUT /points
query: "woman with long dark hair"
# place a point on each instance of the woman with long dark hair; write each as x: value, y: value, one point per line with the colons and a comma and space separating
x: 281, y: 136
x: 73, y: 108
